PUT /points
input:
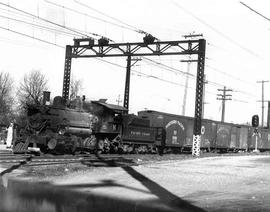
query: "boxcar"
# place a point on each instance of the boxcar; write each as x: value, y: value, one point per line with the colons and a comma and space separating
x: 208, y: 132
x: 214, y: 134
x: 177, y: 128
x: 264, y: 139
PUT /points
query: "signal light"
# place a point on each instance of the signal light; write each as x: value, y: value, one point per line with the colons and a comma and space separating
x: 83, y: 41
x: 103, y: 41
x: 149, y: 39
x: 255, y: 121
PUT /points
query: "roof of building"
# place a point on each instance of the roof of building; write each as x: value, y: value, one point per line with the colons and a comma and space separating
x: 115, y: 108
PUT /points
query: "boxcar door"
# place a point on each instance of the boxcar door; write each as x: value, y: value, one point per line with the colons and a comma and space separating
x: 175, y: 132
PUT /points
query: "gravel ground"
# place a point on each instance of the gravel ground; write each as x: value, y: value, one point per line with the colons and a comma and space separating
x: 212, y: 182
x: 39, y: 173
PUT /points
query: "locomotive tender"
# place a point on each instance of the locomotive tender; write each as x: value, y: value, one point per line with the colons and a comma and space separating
x: 94, y: 126
x: 97, y: 126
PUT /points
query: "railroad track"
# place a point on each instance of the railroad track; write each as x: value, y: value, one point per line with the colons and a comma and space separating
x: 8, y: 158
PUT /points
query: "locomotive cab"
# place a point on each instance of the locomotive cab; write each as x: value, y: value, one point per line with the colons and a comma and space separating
x: 108, y: 117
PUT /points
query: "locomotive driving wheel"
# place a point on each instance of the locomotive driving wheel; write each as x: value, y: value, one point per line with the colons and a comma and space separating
x: 52, y: 144
x: 74, y: 143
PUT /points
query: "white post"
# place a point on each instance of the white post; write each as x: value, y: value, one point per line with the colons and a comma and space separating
x: 256, y: 140
x: 196, y: 145
x: 256, y: 144
x: 9, y: 135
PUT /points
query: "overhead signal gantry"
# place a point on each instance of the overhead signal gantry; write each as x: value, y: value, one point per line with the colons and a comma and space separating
x: 87, y: 48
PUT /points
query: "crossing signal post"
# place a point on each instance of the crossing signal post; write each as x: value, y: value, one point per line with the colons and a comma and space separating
x: 255, y: 124
x: 255, y: 121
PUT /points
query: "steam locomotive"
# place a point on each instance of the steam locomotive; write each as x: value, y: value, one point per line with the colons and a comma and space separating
x: 97, y: 126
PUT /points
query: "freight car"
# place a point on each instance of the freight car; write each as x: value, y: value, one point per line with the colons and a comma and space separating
x: 97, y: 126
x: 94, y: 126
x: 216, y: 136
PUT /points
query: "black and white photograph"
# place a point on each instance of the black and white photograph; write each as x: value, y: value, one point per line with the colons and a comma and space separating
x: 133, y: 106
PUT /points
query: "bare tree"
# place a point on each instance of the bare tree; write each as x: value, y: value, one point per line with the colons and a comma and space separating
x: 75, y: 87
x: 6, y: 97
x: 31, y: 89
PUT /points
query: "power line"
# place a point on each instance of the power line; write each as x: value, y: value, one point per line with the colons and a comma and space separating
x: 104, y: 14
x: 210, y: 82
x: 39, y: 26
x: 79, y: 32
x: 43, y: 19
x: 229, y: 53
x: 238, y: 100
x: 89, y: 16
x: 140, y: 73
x: 255, y: 11
x: 169, y: 68
x: 38, y: 39
x: 145, y: 33
x: 75, y: 11
x: 217, y: 31
x: 47, y: 42
x: 29, y: 14
x: 137, y: 30
x: 229, y: 75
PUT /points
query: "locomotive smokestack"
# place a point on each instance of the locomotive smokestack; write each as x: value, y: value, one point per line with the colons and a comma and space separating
x: 46, y: 97
x: 268, y: 116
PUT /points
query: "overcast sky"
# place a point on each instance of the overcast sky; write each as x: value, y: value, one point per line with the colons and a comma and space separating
x: 237, y: 51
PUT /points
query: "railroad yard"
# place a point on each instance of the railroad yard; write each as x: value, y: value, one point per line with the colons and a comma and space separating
x: 213, y: 182
x: 160, y: 106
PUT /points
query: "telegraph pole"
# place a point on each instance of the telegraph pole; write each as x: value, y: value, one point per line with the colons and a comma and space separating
x: 127, y: 84
x: 189, y: 61
x: 262, y: 81
x: 224, y: 97
x: 204, y: 103
x: 192, y: 35
x: 268, y: 116
x: 118, y: 100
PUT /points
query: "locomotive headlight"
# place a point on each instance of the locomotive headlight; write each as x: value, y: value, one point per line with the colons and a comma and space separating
x: 61, y: 131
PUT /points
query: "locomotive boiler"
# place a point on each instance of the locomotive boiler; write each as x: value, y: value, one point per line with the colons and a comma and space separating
x: 55, y: 127
x: 95, y: 126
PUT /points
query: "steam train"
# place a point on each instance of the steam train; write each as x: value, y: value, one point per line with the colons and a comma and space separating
x: 97, y: 126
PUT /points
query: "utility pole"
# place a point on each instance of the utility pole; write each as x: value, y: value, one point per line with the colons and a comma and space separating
x: 127, y: 84
x: 268, y: 116
x: 192, y: 35
x: 224, y: 97
x: 118, y: 100
x: 189, y: 61
x: 204, y: 103
x: 262, y: 81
